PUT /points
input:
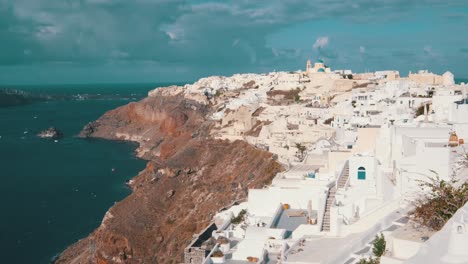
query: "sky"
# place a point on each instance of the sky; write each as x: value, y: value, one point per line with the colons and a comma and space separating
x: 139, y: 41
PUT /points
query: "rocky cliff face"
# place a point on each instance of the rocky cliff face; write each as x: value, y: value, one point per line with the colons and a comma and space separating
x: 188, y: 178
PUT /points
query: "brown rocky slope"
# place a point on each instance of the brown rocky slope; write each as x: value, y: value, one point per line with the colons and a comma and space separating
x: 188, y: 178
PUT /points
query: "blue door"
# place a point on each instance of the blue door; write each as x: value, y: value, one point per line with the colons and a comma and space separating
x: 361, y: 173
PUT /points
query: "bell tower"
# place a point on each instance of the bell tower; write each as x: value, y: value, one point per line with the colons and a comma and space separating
x: 308, y: 66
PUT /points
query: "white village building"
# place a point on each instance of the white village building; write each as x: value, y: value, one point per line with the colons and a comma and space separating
x: 354, y: 164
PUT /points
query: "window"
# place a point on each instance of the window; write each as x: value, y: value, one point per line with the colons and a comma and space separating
x: 361, y: 173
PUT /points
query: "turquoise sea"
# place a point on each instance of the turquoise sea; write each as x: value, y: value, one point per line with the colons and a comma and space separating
x: 54, y: 193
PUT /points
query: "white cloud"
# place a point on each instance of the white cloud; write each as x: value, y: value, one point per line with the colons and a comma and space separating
x: 320, y: 43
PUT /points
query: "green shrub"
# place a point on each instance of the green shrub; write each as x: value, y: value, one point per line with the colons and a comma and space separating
x: 378, y: 246
x: 369, y: 261
x: 239, y: 218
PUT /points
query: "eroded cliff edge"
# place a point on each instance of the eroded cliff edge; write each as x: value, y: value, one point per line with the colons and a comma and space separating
x: 188, y: 178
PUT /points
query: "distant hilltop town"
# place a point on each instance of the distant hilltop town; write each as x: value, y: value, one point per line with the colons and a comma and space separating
x: 278, y: 110
x: 356, y: 147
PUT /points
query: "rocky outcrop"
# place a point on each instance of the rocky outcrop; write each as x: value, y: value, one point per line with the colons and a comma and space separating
x: 188, y: 178
x: 51, y: 132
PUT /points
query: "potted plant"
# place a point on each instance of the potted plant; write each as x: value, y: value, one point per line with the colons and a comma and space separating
x: 218, y: 257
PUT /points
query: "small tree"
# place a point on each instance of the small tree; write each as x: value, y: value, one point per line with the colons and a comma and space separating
x: 378, y: 246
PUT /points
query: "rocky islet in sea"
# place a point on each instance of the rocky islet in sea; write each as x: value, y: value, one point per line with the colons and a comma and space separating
x: 51, y: 133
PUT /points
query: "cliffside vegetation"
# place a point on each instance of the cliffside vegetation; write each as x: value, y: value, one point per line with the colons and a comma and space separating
x: 440, y: 203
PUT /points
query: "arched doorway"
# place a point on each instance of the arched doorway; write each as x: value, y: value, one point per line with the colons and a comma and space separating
x: 361, y: 173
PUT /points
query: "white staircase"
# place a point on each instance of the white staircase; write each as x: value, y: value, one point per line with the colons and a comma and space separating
x: 331, y: 197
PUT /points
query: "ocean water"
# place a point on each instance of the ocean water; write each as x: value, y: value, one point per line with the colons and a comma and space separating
x: 54, y: 193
